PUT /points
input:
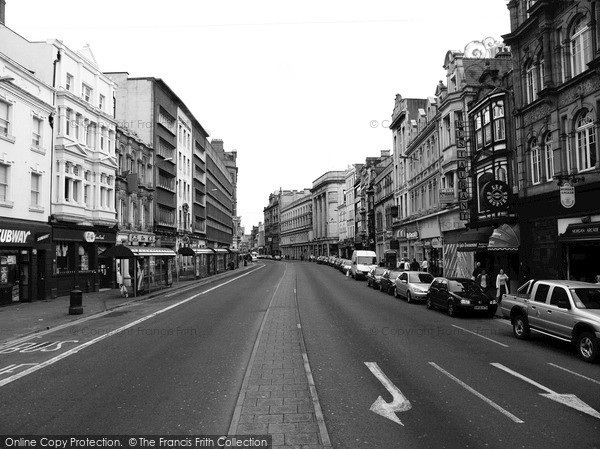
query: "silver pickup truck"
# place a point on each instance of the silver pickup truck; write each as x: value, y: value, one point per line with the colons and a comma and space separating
x: 567, y: 310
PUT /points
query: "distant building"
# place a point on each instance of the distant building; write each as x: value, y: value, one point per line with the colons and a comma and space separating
x: 296, y: 226
x: 327, y: 194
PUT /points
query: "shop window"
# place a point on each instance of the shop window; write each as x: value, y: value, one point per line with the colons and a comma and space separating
x: 83, y: 258
x: 65, y: 261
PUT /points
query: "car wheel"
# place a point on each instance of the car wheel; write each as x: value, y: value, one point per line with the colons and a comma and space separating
x: 587, y: 347
x: 380, y: 287
x: 408, y: 297
x: 451, y: 309
x: 521, y: 327
x: 429, y: 304
x: 368, y: 282
x: 396, y: 295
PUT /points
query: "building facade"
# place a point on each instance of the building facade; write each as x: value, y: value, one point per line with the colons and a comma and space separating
x: 296, y: 227
x: 556, y: 55
x: 327, y: 194
x: 26, y: 115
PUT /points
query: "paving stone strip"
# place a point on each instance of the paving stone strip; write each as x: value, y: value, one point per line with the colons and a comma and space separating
x: 278, y: 397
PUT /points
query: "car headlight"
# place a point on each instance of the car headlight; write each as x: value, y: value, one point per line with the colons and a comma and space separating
x: 465, y: 302
x: 493, y: 301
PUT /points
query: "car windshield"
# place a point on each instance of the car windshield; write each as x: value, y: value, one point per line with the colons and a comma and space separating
x: 586, y: 298
x: 394, y: 274
x: 366, y: 260
x: 379, y: 271
x: 468, y: 287
x: 420, y: 278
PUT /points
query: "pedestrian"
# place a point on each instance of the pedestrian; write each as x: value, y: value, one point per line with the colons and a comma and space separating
x: 598, y: 279
x: 425, y: 265
x: 483, y: 281
x: 414, y: 265
x: 476, y: 271
x: 501, y: 284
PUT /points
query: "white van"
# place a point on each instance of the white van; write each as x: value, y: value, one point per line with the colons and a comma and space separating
x: 362, y: 262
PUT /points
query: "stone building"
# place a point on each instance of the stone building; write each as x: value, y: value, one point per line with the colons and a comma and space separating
x: 556, y: 55
x: 327, y: 194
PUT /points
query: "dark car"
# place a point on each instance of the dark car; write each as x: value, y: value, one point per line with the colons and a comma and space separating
x: 388, y: 281
x: 459, y: 295
x: 374, y: 276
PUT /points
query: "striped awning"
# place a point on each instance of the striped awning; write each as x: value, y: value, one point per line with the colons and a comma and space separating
x: 505, y: 238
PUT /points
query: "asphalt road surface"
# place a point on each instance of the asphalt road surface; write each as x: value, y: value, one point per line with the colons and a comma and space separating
x: 175, y: 365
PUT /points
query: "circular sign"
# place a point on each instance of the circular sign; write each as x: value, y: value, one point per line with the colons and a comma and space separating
x: 496, y: 195
x: 567, y: 195
x: 89, y: 236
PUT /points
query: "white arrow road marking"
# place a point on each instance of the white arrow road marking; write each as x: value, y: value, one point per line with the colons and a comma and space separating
x: 399, y: 402
x: 570, y: 400
x: 477, y: 393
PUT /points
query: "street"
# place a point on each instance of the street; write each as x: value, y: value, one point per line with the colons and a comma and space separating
x: 177, y: 365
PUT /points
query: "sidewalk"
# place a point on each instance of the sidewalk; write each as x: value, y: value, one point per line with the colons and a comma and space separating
x: 278, y: 395
x: 22, y: 319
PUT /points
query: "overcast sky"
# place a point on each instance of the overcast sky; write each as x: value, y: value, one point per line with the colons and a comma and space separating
x: 298, y: 88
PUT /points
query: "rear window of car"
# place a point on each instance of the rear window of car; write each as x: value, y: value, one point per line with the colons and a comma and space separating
x: 379, y: 271
x: 394, y: 274
x: 463, y: 286
x: 586, y: 298
x: 420, y: 278
x: 365, y: 260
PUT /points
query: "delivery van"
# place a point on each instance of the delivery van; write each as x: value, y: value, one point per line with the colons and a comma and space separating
x: 362, y: 262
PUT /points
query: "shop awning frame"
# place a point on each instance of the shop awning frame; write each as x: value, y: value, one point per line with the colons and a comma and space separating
x: 505, y: 238
x: 186, y: 251
x: 581, y: 232
x: 127, y: 252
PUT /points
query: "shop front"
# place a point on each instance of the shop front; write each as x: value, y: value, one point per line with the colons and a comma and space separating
x: 221, y: 259
x: 580, y: 242
x: 24, y: 251
x: 432, y: 245
x: 205, y: 262
x: 147, y: 268
x: 76, y: 263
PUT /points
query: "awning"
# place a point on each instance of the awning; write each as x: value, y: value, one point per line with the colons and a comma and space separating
x: 475, y: 239
x: 125, y: 251
x: 204, y: 251
x: 505, y: 238
x: 186, y: 251
x: 233, y: 251
x: 581, y: 232
x: 220, y: 251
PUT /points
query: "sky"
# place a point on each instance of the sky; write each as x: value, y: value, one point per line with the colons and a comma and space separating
x: 298, y: 88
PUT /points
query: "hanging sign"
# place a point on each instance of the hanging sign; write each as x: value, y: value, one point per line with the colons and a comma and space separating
x: 567, y: 195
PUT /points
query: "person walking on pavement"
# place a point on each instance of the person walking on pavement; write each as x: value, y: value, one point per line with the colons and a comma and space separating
x: 476, y: 271
x: 425, y: 265
x: 501, y: 284
x: 483, y: 281
x: 414, y: 265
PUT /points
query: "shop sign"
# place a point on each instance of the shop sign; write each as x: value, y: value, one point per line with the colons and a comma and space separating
x: 567, y: 195
x: 13, y: 236
x: 447, y: 196
x: 496, y: 195
x: 412, y: 233
x: 89, y: 236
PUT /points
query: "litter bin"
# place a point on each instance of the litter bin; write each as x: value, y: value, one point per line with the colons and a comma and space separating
x: 76, y: 302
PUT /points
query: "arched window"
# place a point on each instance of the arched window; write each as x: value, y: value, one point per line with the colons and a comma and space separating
x: 580, y: 46
x: 585, y: 142
x: 501, y: 174
x: 536, y: 166
x: 530, y: 82
x: 549, y: 156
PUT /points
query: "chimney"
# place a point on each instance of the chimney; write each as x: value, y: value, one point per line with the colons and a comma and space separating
x: 385, y: 153
x: 3, y: 12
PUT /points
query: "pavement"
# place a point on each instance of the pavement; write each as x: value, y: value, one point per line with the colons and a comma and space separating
x: 20, y: 320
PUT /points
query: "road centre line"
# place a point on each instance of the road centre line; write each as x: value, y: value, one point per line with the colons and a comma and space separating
x: 109, y: 334
x: 479, y: 395
x: 479, y: 335
x: 574, y: 373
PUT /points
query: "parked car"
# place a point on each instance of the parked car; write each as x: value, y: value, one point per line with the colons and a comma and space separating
x: 413, y: 285
x: 565, y: 310
x: 459, y: 295
x: 374, y: 276
x: 362, y: 262
x: 345, y: 266
x: 388, y: 281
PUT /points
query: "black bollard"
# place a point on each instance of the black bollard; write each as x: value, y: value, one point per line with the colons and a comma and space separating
x: 75, y: 306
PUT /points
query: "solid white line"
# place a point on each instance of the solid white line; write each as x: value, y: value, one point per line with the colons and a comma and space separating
x: 522, y: 377
x: 574, y: 373
x: 183, y: 290
x: 479, y: 395
x: 237, y: 412
x: 108, y: 334
x: 479, y: 335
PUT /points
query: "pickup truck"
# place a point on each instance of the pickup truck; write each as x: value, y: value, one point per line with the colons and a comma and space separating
x: 566, y: 310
